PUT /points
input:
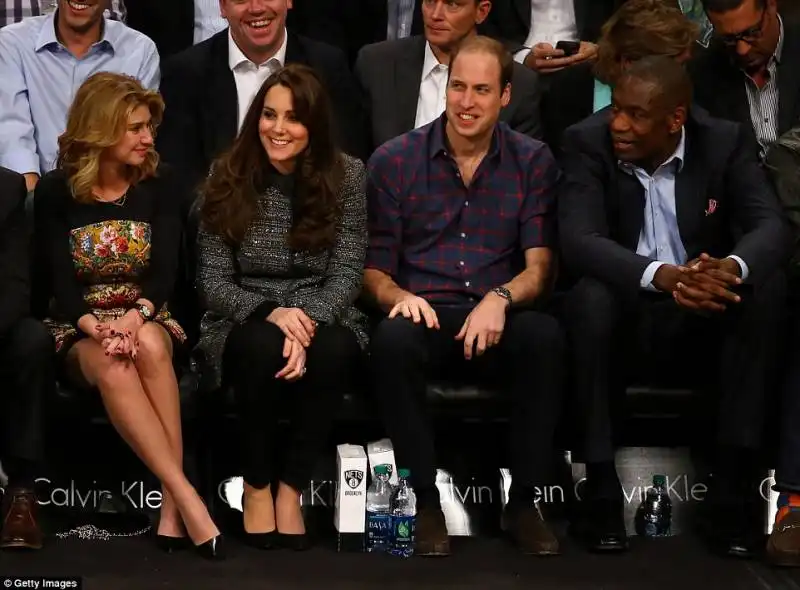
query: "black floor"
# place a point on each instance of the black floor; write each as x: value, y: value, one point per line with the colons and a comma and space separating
x: 678, y: 563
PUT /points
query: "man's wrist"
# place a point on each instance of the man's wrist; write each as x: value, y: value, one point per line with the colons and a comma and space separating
x: 732, y: 266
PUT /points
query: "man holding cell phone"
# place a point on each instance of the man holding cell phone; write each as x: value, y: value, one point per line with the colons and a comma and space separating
x: 549, y: 35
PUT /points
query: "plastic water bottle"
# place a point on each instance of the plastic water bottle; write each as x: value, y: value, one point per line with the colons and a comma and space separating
x: 404, y: 512
x: 379, y: 511
x: 654, y: 515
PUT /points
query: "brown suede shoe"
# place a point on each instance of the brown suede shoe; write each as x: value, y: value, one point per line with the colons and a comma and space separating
x: 529, y: 531
x: 431, y: 533
x: 783, y: 546
x: 20, y: 526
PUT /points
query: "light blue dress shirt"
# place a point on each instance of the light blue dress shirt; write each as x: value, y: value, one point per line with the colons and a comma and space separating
x: 602, y: 96
x: 39, y: 77
x: 660, y: 238
x: 207, y: 19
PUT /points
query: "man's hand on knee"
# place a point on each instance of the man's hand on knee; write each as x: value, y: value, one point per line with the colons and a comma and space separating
x: 415, y: 309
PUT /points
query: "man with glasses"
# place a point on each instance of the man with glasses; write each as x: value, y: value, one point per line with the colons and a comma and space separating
x: 751, y: 72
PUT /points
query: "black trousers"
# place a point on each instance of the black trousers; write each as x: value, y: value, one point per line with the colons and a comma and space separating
x: 253, y: 355
x: 613, y: 342
x: 529, y: 358
x: 787, y: 474
x: 27, y: 379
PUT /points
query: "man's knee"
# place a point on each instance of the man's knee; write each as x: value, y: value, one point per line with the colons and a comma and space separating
x: 397, y: 336
x: 591, y: 310
x: 533, y: 329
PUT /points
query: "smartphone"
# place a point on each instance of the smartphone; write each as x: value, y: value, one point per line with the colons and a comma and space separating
x: 569, y: 47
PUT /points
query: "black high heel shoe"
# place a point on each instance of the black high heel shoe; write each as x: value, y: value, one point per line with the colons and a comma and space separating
x: 294, y: 542
x: 171, y: 544
x: 213, y: 549
x: 262, y: 541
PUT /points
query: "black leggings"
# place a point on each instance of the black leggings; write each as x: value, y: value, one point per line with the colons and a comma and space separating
x: 253, y: 355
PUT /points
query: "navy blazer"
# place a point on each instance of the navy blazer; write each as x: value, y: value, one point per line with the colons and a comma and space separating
x: 724, y: 200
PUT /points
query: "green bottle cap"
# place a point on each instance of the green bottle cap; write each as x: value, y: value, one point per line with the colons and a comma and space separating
x: 659, y: 480
x: 382, y: 469
x: 404, y: 473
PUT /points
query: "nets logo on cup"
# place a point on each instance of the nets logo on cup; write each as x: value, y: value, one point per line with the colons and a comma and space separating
x: 353, y: 477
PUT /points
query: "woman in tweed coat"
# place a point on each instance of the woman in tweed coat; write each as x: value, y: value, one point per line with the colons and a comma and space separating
x: 281, y: 252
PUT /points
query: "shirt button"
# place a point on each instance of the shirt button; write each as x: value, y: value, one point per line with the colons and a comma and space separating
x: 461, y: 263
x: 466, y: 203
x: 463, y: 235
x: 466, y: 284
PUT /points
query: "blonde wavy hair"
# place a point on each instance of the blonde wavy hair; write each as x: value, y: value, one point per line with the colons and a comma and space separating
x: 642, y: 28
x: 97, y: 121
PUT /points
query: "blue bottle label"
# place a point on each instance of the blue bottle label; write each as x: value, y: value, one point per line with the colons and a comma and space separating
x: 378, y: 525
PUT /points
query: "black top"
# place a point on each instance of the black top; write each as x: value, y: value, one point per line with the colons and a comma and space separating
x: 72, y: 231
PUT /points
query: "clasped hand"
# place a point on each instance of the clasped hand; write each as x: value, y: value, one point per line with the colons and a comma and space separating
x: 299, y: 330
x: 118, y: 337
x: 703, y: 285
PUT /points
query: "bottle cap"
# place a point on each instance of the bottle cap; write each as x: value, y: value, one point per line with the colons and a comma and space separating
x: 659, y: 480
x: 404, y: 473
x: 382, y: 469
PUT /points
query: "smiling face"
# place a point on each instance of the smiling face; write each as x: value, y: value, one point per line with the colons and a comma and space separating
x: 474, y: 96
x: 284, y: 137
x: 81, y: 15
x: 257, y: 26
x: 137, y: 141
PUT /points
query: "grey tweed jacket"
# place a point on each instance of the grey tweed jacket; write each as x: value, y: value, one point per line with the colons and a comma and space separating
x: 234, y: 282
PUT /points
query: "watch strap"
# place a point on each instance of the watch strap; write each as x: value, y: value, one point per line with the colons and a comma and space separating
x: 504, y: 293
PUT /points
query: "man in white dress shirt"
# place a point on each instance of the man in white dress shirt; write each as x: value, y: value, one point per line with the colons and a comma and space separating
x: 208, y: 88
x: 405, y: 80
x: 532, y: 29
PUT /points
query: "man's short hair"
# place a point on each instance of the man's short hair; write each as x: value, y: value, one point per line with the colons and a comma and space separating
x: 482, y: 44
x: 672, y: 85
x: 720, y: 6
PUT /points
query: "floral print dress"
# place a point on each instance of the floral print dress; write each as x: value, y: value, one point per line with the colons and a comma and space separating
x: 102, y: 257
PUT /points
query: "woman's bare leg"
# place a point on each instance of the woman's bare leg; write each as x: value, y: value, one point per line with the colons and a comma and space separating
x: 154, y: 365
x: 288, y: 510
x: 132, y: 414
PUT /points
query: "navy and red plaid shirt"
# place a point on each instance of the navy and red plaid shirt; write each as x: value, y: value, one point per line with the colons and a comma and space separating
x: 449, y: 243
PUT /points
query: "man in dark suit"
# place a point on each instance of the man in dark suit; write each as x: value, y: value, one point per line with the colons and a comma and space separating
x: 208, y: 88
x: 679, y: 241
x: 404, y: 81
x: 352, y: 24
x: 27, y: 372
x: 531, y: 32
x: 751, y: 73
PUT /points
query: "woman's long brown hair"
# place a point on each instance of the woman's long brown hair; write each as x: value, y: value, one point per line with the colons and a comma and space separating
x: 232, y: 189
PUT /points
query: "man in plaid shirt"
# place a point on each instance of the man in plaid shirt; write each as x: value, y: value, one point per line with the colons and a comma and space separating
x: 461, y: 215
x: 17, y: 10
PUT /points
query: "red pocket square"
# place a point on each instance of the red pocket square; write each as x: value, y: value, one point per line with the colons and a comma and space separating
x: 712, y: 206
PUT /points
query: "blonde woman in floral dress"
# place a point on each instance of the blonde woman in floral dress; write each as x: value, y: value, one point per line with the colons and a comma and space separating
x: 109, y: 219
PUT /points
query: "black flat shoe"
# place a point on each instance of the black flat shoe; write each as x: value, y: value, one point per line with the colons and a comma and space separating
x: 262, y: 541
x: 213, y: 549
x: 171, y: 544
x: 294, y: 542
